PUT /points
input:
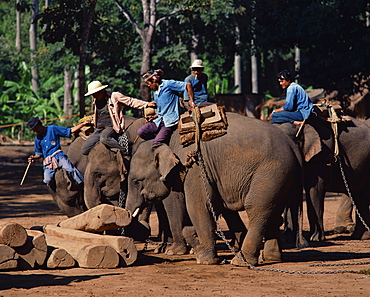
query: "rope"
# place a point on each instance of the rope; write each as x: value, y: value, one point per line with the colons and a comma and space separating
x: 49, y: 120
x: 334, y: 119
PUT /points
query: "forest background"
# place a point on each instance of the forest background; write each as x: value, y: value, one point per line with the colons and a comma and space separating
x: 50, y: 50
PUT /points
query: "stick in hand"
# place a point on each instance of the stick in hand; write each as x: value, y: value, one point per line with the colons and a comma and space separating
x: 25, y: 173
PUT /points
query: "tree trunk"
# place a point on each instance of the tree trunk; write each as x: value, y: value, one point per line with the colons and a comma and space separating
x: 254, y: 69
x: 33, y: 46
x: 18, y: 36
x: 83, y: 46
x: 237, y: 63
x: 297, y: 60
x: 67, y: 103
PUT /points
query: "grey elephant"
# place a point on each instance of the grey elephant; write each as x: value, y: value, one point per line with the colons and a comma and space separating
x: 323, y: 173
x: 70, y: 198
x: 243, y: 173
x: 105, y: 181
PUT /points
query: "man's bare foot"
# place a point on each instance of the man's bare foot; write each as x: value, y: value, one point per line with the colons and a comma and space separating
x: 297, y: 123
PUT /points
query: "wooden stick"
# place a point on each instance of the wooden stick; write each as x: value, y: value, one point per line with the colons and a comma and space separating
x: 300, y: 128
x: 25, y: 173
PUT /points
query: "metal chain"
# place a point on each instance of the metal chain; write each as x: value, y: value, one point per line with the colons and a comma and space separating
x: 220, y: 233
x: 350, y: 195
x: 123, y: 142
x: 339, y: 264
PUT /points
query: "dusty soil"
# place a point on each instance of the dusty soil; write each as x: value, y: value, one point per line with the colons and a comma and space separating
x: 162, y: 275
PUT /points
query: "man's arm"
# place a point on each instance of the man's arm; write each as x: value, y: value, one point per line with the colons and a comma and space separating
x: 190, y: 91
x: 79, y: 126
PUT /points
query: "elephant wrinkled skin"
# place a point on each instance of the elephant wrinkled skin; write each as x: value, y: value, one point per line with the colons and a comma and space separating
x: 322, y: 171
x: 244, y: 172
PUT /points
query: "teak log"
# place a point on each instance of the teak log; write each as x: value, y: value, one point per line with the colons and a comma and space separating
x: 12, y: 234
x: 124, y: 246
x: 87, y: 255
x: 33, y: 253
x: 8, y: 257
x: 59, y: 258
x: 99, y: 218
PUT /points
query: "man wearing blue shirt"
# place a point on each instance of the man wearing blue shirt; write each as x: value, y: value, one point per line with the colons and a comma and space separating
x: 298, y: 105
x: 168, y: 107
x: 47, y: 146
x: 198, y: 80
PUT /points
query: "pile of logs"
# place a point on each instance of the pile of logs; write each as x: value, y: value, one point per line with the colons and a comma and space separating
x: 76, y: 241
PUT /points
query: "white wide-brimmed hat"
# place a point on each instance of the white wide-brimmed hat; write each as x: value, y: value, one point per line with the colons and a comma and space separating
x: 94, y: 87
x: 198, y: 63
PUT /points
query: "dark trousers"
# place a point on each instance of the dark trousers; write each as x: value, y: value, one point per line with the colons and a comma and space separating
x: 161, y: 134
x: 106, y: 136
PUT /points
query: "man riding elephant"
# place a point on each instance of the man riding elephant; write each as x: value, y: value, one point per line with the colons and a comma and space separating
x: 108, y: 118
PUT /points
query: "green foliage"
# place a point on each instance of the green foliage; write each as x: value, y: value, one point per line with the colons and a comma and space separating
x: 19, y: 102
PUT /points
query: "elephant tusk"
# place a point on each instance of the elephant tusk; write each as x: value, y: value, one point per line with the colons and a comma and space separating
x: 136, y: 212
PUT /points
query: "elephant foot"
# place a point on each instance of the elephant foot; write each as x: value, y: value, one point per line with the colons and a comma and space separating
x: 361, y: 236
x: 350, y: 228
x: 241, y: 260
x: 316, y: 237
x: 269, y: 258
x: 176, y: 249
x: 160, y: 249
x: 206, y: 258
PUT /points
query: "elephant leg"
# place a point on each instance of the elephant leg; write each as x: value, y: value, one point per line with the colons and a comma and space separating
x: 252, y: 242
x: 315, y: 188
x: 164, y: 232
x: 272, y: 251
x: 196, y: 204
x: 344, y: 222
x: 236, y: 226
x: 361, y: 231
x: 175, y: 208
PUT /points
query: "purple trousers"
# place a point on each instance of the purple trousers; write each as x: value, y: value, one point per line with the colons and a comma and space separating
x: 161, y: 134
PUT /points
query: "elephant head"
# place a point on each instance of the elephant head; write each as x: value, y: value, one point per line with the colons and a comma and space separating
x: 149, y: 176
x: 70, y: 201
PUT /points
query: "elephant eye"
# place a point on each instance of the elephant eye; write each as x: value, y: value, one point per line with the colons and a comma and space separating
x: 135, y: 182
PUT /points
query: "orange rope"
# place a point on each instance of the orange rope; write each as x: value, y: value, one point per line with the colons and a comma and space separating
x: 11, y: 125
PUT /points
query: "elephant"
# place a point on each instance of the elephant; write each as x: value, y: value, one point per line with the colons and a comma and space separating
x: 70, y: 200
x: 323, y: 170
x: 104, y: 180
x: 241, y: 173
x: 344, y: 221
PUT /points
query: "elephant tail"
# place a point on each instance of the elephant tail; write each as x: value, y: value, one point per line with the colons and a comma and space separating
x: 301, y: 242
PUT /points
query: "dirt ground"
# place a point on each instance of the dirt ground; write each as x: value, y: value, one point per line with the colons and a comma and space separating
x: 162, y: 275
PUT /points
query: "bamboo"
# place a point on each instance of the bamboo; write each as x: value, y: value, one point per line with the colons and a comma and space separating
x: 25, y: 173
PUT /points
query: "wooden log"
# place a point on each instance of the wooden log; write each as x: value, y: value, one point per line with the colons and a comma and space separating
x: 8, y: 257
x: 124, y: 246
x: 12, y: 234
x: 59, y: 258
x: 33, y: 253
x: 99, y: 218
x: 87, y: 255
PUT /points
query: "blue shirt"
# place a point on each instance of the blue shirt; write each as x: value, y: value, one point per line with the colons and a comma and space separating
x: 199, y: 88
x: 46, y: 144
x: 168, y: 108
x: 298, y: 100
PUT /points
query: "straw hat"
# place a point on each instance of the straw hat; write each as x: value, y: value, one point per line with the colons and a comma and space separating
x: 197, y: 64
x: 95, y: 87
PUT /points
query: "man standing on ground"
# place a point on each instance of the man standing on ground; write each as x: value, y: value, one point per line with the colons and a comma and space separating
x: 47, y: 146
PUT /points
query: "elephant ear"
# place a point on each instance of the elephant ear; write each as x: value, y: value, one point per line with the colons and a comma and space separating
x: 311, y: 143
x: 165, y: 160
